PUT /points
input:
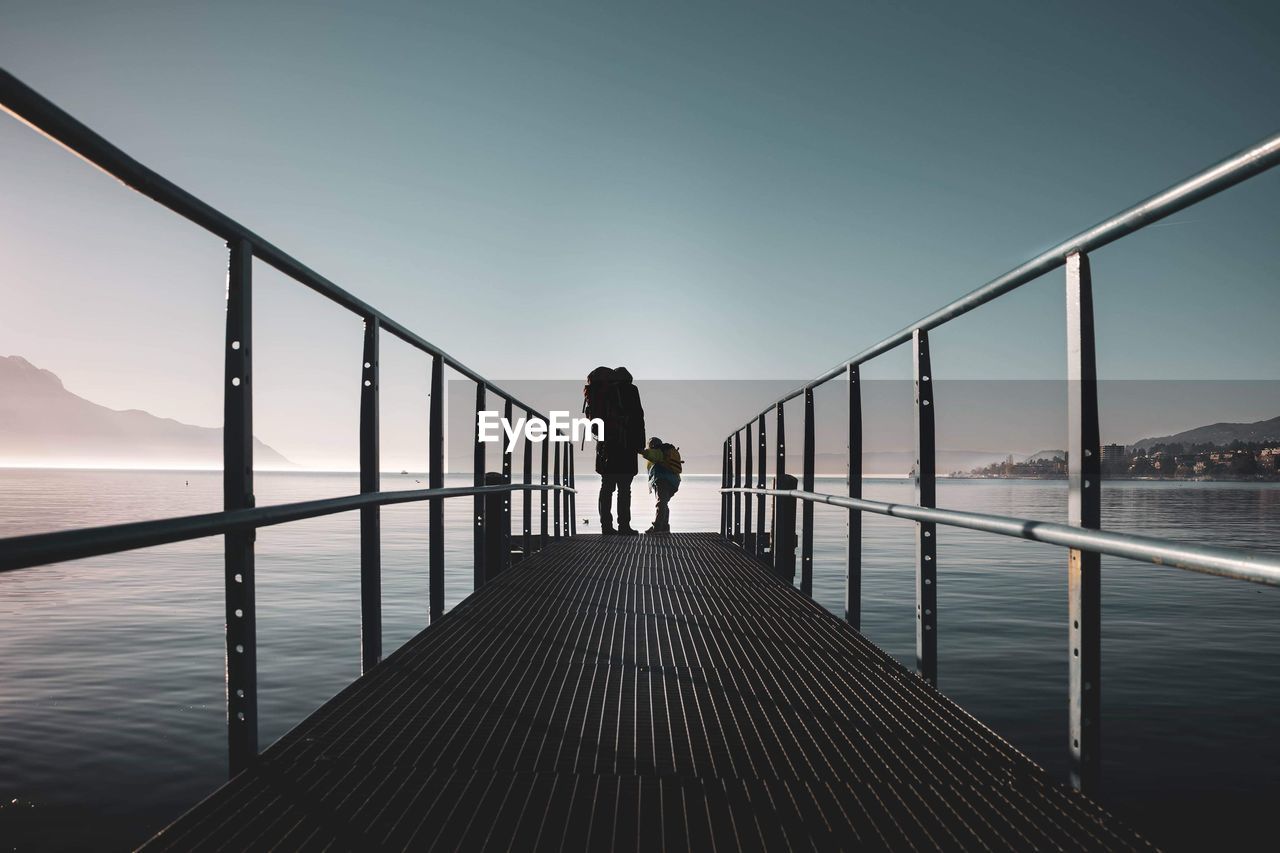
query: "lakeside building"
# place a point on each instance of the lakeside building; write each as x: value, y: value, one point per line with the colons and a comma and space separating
x: 1113, y: 453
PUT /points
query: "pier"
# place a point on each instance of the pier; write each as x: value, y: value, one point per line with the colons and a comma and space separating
x: 642, y: 693
x: 679, y: 691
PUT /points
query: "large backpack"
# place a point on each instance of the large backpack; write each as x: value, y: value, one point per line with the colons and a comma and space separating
x: 601, y: 399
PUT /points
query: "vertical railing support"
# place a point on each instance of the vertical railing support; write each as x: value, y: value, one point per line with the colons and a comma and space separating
x: 806, y: 511
x: 853, y: 552
x: 555, y: 496
x: 237, y: 493
x: 477, y: 503
x: 1084, y: 585
x: 497, y: 527
x: 762, y: 480
x: 526, y: 541
x: 784, y: 529
x: 370, y: 516
x: 737, y: 484
x: 507, y: 413
x: 435, y: 480
x: 725, y: 497
x: 926, y: 496
x: 748, y: 539
x: 571, y: 498
x: 543, y: 496
x: 779, y: 462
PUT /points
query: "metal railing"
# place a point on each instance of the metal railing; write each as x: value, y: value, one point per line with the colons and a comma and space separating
x: 1082, y: 535
x: 240, y: 518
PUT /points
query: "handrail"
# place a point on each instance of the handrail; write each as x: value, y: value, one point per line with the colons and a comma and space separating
x: 33, y: 109
x: 41, y: 549
x: 1239, y: 563
x: 240, y: 517
x: 1083, y: 535
x: 1238, y: 167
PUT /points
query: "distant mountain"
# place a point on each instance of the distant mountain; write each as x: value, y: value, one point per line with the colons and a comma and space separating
x: 1219, y: 434
x: 42, y: 423
x: 1046, y: 454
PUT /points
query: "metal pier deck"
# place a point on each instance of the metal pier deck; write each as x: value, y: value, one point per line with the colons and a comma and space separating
x: 642, y: 693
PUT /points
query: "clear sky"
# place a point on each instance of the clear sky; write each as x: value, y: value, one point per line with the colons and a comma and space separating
x: 697, y: 190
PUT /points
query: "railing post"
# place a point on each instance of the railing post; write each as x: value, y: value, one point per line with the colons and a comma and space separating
x: 780, y: 465
x: 748, y: 539
x: 543, y: 496
x: 477, y: 503
x: 806, y: 524
x: 555, y: 496
x: 760, y: 484
x: 237, y: 493
x: 737, y: 484
x: 506, y: 451
x: 370, y: 516
x: 507, y: 412
x: 1084, y: 583
x: 724, y: 484
x: 571, y: 498
x: 526, y: 542
x: 497, y: 527
x: 435, y: 480
x: 926, y: 496
x: 853, y: 554
x: 784, y: 529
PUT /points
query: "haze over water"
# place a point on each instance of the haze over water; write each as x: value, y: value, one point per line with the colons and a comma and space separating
x: 112, y: 722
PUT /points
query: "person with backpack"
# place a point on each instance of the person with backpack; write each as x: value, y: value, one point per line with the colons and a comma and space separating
x: 665, y: 466
x: 612, y: 396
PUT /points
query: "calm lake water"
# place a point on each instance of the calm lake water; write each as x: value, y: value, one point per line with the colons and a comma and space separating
x: 111, y: 669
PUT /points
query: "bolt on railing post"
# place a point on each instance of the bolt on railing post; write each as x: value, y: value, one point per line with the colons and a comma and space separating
x: 526, y: 542
x: 1084, y: 582
x: 477, y: 503
x: 853, y: 554
x: 763, y: 462
x: 555, y: 496
x: 543, y: 497
x: 370, y: 516
x: 237, y: 493
x: 737, y: 484
x: 748, y: 539
x: 926, y: 496
x: 806, y: 523
x: 435, y: 480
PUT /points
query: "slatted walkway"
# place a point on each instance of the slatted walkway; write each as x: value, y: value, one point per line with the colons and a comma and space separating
x: 642, y: 693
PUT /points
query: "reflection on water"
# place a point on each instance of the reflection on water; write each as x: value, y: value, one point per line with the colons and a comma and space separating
x: 111, y: 669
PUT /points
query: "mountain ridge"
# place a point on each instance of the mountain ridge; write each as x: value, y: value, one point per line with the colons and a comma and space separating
x: 42, y: 423
x: 1221, y: 433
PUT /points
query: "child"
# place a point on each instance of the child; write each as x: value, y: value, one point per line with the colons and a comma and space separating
x: 664, y: 479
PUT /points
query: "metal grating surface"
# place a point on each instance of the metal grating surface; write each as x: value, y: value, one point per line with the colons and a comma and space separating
x: 642, y: 693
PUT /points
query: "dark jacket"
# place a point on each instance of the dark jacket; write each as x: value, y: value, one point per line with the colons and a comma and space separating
x: 624, y: 432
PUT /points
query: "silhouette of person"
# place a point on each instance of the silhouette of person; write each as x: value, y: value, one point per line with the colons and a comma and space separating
x: 612, y: 396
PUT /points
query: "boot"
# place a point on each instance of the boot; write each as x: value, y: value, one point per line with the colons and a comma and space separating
x: 627, y: 531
